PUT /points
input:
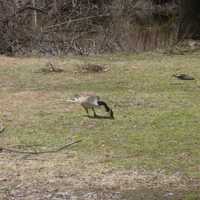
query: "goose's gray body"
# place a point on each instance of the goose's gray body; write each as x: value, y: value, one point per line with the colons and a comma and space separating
x: 89, y: 101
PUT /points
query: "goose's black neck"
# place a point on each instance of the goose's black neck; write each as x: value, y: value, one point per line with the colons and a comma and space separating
x: 102, y: 103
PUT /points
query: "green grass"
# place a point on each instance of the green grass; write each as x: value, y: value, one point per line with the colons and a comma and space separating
x: 157, y: 117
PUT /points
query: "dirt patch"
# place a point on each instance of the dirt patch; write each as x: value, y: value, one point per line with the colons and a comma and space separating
x: 20, y: 107
x: 16, y: 61
x: 7, y: 61
x: 30, y: 98
x: 11, y: 61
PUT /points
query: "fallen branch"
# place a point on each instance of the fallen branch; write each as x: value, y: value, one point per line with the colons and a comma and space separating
x: 37, y: 152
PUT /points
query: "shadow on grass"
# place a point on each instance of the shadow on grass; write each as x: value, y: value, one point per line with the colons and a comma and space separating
x: 98, y: 117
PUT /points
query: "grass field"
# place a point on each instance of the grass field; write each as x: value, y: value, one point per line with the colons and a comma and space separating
x: 154, y: 141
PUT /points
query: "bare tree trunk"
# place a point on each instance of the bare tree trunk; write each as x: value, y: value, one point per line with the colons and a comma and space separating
x: 34, y: 14
x: 55, y: 5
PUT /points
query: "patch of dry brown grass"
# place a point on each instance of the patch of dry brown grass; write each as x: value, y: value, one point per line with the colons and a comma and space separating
x: 20, y: 106
x: 66, y: 171
x: 21, y: 61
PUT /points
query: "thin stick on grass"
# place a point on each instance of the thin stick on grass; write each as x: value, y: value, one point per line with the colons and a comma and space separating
x: 2, y: 128
x: 38, y: 152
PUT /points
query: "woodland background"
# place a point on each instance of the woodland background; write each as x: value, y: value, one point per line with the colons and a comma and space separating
x: 83, y: 27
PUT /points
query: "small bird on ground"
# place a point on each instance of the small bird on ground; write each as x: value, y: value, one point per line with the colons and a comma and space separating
x: 183, y: 76
x: 91, y: 101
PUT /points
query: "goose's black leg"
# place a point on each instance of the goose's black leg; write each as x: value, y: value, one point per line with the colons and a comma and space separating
x: 94, y: 112
x: 86, y: 109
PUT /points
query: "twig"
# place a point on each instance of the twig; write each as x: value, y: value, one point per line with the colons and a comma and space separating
x: 38, y: 152
x: 2, y: 128
x: 31, y: 8
x: 75, y: 20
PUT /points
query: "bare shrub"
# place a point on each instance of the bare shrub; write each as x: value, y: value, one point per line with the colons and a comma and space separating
x: 85, y: 27
x: 51, y: 67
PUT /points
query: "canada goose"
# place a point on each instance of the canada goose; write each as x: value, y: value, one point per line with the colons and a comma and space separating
x: 91, y: 101
x: 183, y: 76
